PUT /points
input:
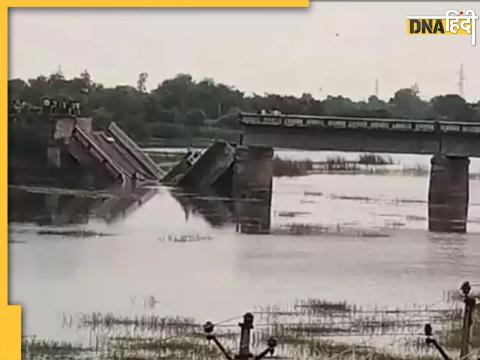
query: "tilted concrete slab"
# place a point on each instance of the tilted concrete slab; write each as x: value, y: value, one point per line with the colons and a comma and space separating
x: 135, y: 151
x: 177, y: 172
x: 213, y: 163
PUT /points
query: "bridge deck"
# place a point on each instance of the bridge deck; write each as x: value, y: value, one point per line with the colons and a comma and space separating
x: 115, y: 157
x: 135, y: 151
x: 120, y: 156
x: 359, y: 123
x: 362, y: 134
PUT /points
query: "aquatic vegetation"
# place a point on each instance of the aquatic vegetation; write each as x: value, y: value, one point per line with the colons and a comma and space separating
x: 146, y: 322
x: 374, y: 159
x: 300, y: 229
x: 413, y: 201
x: 73, y: 233
x: 452, y: 337
x: 346, y: 197
x: 416, y: 218
x: 291, y: 213
x: 185, y: 238
x: 33, y: 348
x: 312, y: 193
x: 282, y: 167
x: 395, y: 224
x: 372, y: 234
x: 306, y: 329
x: 343, y: 230
x: 318, y: 305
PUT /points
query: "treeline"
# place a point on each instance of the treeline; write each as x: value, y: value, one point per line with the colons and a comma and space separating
x: 183, y: 105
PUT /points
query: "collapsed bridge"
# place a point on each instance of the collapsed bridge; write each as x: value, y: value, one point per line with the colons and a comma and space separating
x: 110, y: 152
x: 244, y: 171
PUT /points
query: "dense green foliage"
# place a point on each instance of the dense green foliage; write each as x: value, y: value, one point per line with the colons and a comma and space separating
x: 182, y: 107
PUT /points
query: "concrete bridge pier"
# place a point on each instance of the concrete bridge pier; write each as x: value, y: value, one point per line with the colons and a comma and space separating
x: 252, y: 188
x: 448, y: 194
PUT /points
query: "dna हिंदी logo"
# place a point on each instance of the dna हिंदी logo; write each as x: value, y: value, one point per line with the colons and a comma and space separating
x: 454, y: 22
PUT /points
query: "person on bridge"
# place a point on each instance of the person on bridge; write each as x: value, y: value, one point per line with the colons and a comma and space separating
x: 54, y: 106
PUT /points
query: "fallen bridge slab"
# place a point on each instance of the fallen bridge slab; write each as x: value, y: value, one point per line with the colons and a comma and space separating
x: 206, y: 171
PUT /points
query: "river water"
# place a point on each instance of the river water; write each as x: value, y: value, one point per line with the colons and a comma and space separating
x: 374, y: 250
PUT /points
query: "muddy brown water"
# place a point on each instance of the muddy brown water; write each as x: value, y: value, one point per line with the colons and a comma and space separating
x: 371, y: 248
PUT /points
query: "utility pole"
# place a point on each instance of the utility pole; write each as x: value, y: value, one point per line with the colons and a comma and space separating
x: 466, y: 330
x: 376, y: 87
x: 244, y: 351
x: 461, y: 81
x: 246, y: 326
x: 467, y: 320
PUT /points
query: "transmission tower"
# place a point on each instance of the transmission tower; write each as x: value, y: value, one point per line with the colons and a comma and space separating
x: 461, y: 81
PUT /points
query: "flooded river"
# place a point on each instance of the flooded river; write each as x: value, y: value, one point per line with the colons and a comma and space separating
x: 70, y: 253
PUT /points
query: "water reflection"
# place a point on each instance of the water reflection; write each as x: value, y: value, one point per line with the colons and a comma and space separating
x: 61, y: 207
x: 48, y: 209
x: 341, y: 261
x: 217, y: 211
x: 122, y: 204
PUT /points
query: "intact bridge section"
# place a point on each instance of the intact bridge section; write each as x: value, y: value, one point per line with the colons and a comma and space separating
x: 450, y: 143
x: 362, y: 134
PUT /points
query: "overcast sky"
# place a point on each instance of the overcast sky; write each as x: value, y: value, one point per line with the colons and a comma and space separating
x: 331, y: 48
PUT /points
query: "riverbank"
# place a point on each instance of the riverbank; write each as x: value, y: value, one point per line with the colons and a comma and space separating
x: 306, y: 329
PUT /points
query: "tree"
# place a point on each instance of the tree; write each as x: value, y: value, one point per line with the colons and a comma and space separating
x: 453, y: 107
x: 36, y: 89
x: 180, y: 105
x: 195, y: 117
x: 57, y: 77
x: 102, y: 116
x: 338, y: 105
x: 16, y: 88
x: 173, y: 92
x: 406, y: 103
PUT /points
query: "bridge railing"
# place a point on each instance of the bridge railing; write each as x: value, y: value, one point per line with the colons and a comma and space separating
x: 136, y: 151
x: 337, y: 122
x: 98, y: 153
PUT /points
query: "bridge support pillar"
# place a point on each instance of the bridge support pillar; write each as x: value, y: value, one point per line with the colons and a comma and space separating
x: 57, y: 155
x: 448, y: 194
x: 252, y: 188
x: 54, y: 156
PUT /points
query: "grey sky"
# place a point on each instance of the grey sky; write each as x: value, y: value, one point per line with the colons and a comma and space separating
x: 278, y: 51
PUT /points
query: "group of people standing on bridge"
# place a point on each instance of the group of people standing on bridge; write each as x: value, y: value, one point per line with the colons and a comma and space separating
x: 63, y: 107
x: 16, y: 106
x: 49, y: 106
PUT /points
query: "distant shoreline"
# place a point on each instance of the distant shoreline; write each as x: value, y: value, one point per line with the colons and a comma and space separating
x: 294, y: 168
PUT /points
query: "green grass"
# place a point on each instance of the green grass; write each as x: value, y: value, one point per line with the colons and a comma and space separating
x: 452, y: 338
x: 306, y: 329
